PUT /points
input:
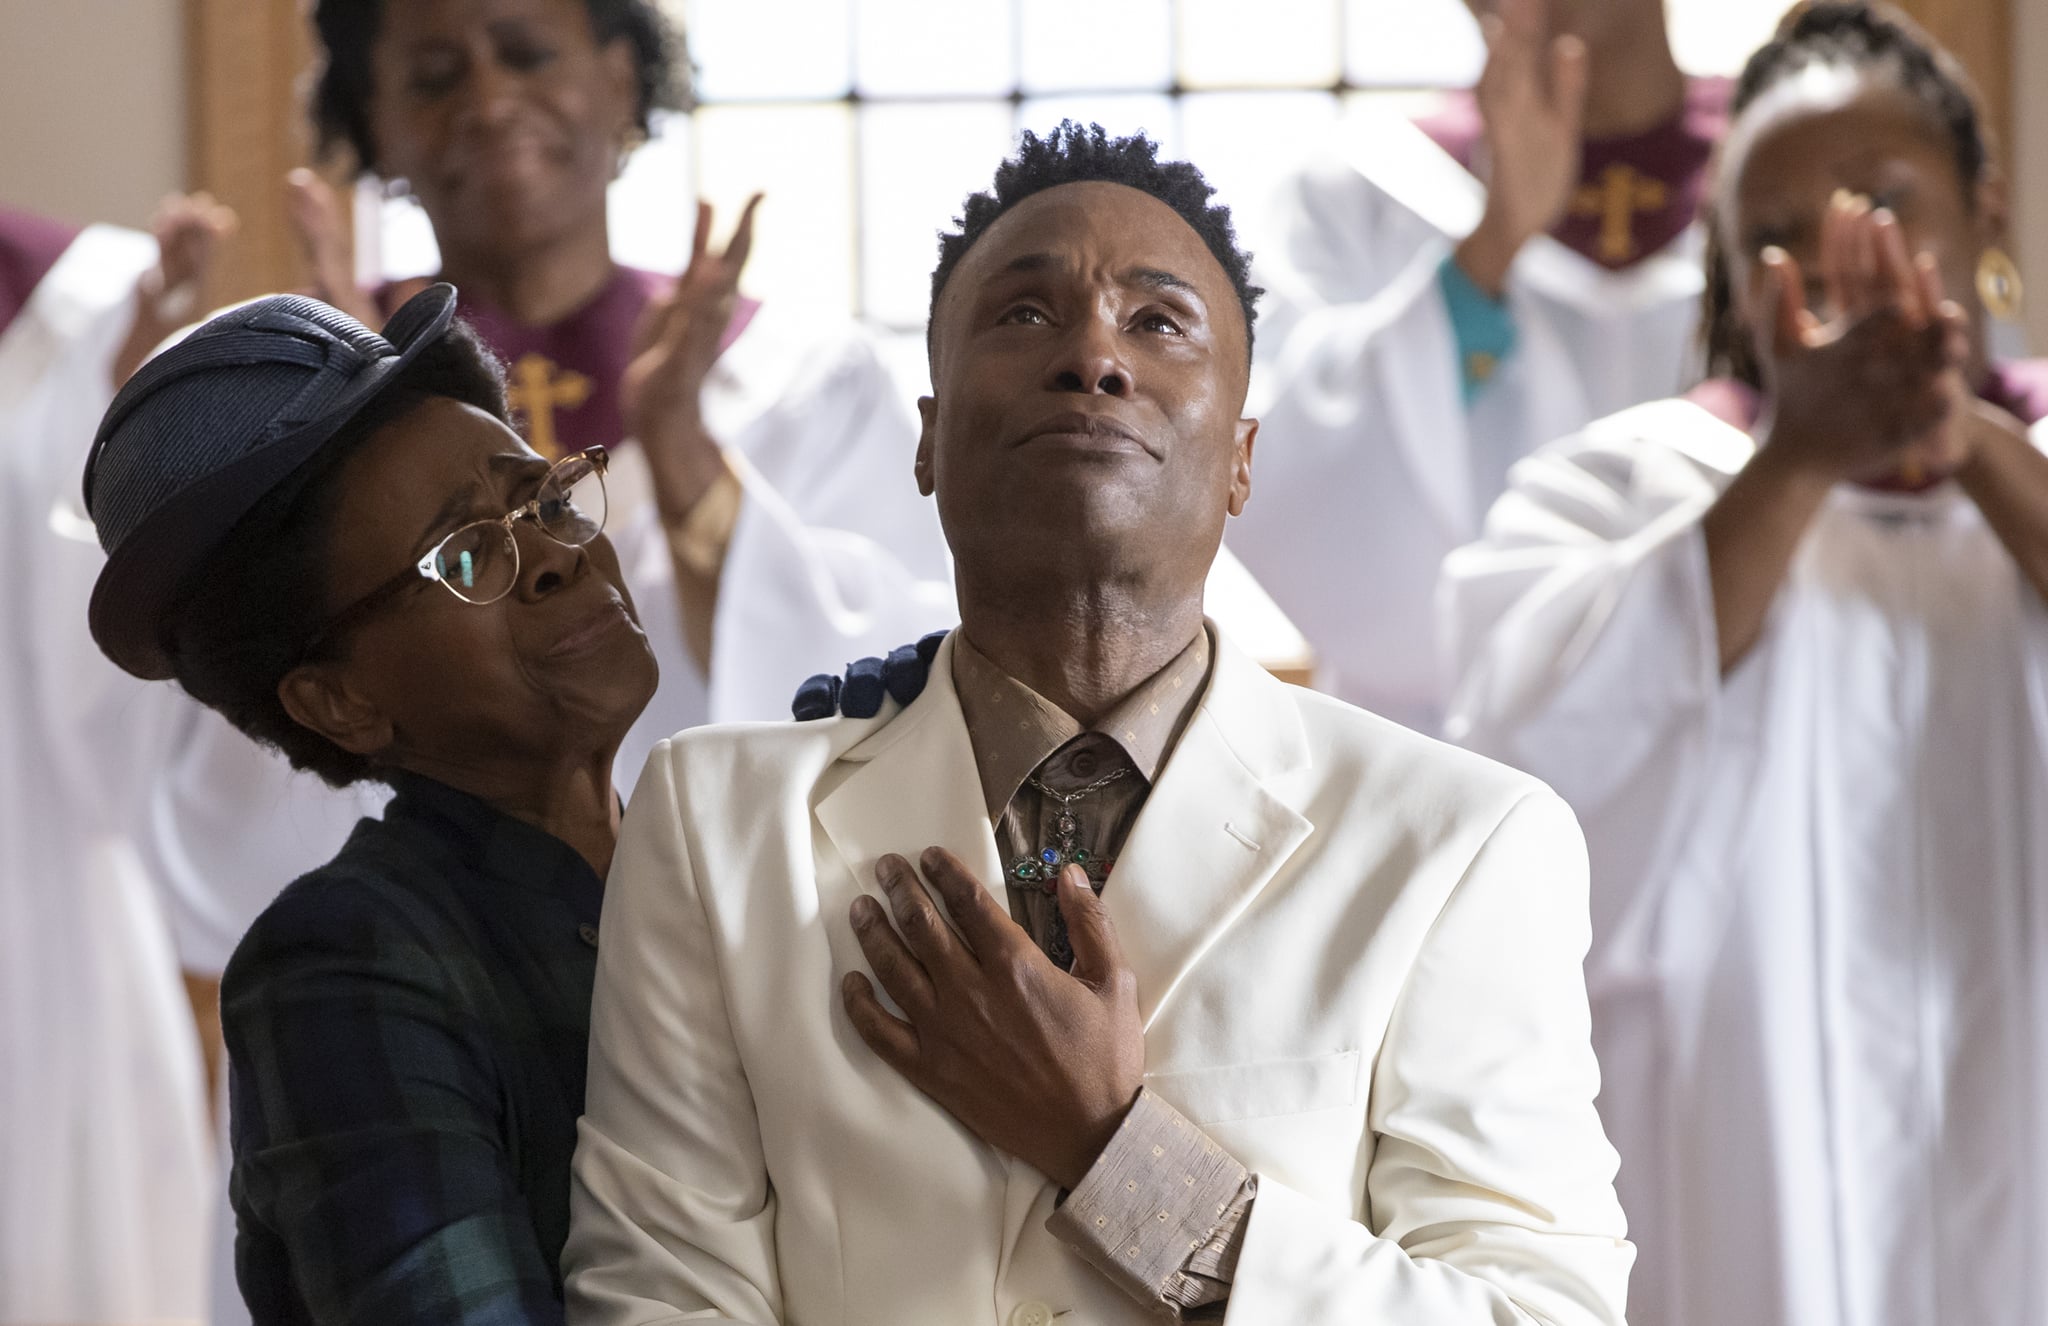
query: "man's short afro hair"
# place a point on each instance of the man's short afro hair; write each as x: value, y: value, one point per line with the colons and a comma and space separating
x: 1075, y: 154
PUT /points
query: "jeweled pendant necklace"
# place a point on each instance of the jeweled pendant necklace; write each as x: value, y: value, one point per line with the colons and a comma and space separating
x: 1044, y: 868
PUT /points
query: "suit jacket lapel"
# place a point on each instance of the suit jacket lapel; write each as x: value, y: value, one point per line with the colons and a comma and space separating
x: 1211, y: 836
x: 915, y: 787
x: 1212, y: 833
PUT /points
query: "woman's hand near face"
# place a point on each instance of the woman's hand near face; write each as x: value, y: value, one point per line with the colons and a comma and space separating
x: 1881, y: 382
x: 1868, y: 392
x: 189, y: 229
x: 1532, y: 96
x: 1949, y: 447
x: 675, y: 346
x: 320, y: 225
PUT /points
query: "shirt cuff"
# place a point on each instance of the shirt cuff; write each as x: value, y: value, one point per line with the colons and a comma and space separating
x: 1162, y: 1212
x: 698, y: 541
x: 700, y: 538
x: 1484, y: 328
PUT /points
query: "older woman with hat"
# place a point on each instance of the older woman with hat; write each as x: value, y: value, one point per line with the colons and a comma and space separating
x: 334, y: 539
x: 765, y: 510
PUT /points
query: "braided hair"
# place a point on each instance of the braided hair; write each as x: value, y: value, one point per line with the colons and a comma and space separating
x: 1859, y: 34
x: 348, y: 34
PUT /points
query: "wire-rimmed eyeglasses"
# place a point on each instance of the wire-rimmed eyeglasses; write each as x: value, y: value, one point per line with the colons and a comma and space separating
x: 479, y: 562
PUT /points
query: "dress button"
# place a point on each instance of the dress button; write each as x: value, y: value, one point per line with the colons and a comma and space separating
x: 587, y: 933
x: 1031, y: 1314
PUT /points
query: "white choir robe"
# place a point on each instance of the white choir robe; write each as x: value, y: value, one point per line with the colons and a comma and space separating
x: 1370, y: 468
x: 103, y: 1150
x: 1820, y: 885
x: 835, y: 555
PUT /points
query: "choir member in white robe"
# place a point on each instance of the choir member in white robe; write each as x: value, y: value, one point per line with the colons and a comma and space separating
x: 1445, y: 296
x: 1786, y: 653
x: 103, y: 1153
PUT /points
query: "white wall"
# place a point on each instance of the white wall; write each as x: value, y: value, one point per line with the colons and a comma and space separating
x: 92, y: 106
x: 2030, y: 159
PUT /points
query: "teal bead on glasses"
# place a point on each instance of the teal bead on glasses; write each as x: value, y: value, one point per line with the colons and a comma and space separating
x: 569, y: 508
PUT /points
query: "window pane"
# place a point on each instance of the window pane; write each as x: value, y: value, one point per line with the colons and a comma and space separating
x: 1247, y: 142
x: 1276, y: 43
x: 934, y: 47
x: 1121, y: 45
x: 1716, y: 36
x: 1412, y: 43
x: 755, y: 49
x: 919, y: 163
x: 801, y: 157
x: 1121, y: 115
x: 405, y: 238
x: 1363, y: 110
x: 654, y: 203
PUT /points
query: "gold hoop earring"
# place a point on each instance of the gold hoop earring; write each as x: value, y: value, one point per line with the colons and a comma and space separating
x: 1999, y: 287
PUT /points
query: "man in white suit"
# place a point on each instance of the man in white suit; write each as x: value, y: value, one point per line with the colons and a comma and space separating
x: 1312, y: 1048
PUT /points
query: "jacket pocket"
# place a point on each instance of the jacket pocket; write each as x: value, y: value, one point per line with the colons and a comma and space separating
x: 1261, y: 1090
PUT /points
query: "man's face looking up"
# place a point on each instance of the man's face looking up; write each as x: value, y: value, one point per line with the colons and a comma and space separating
x: 1089, y: 366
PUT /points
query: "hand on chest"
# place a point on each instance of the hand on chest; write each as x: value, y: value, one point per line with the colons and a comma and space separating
x: 1265, y: 993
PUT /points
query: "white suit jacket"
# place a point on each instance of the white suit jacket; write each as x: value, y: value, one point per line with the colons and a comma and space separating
x: 1358, y: 958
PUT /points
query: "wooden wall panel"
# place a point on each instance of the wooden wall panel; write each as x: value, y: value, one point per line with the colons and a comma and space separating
x: 248, y: 62
x: 2030, y: 161
x: 1982, y: 34
x: 1991, y: 37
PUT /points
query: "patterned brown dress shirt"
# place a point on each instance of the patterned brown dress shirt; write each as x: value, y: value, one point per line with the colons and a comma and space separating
x: 1162, y: 1212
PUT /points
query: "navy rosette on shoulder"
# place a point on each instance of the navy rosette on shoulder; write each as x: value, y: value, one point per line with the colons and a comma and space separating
x: 818, y: 697
x: 901, y: 677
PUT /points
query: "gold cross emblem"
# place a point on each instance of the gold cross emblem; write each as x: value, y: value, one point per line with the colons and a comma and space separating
x: 1620, y: 194
x: 537, y: 388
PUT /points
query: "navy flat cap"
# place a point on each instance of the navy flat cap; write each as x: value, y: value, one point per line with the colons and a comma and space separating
x: 207, y: 429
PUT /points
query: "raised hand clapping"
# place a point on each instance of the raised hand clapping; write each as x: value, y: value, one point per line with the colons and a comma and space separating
x: 676, y: 344
x: 1532, y: 96
x: 320, y: 225
x: 1872, y: 383
x: 189, y: 229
